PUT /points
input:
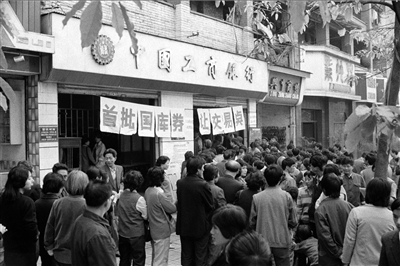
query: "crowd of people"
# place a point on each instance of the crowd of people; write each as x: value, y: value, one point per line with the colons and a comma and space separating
x: 233, y: 206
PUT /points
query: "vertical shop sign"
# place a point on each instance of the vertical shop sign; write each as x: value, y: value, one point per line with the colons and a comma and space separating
x: 204, y: 121
x: 128, y: 118
x: 217, y: 121
x: 163, y: 122
x: 146, y: 121
x: 238, y: 117
x: 177, y: 122
x: 109, y: 115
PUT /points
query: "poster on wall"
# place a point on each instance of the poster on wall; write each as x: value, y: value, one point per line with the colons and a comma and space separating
x: 204, y: 121
x: 163, y: 122
x: 238, y: 118
x: 110, y: 115
x: 175, y: 150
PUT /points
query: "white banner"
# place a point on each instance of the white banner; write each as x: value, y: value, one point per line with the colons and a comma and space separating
x: 217, y: 120
x: 146, y: 121
x: 204, y: 121
x: 128, y: 118
x: 109, y: 115
x: 227, y: 119
x: 177, y: 122
x: 163, y: 122
x: 238, y: 116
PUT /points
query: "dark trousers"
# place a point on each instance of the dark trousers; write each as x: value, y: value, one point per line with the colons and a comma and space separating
x: 132, y: 249
x: 46, y: 259
x: 194, y: 250
x: 19, y: 259
x: 281, y: 256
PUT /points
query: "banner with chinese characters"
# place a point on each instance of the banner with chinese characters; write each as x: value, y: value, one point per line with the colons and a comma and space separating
x: 177, y: 122
x: 204, y: 121
x: 110, y: 115
x: 146, y: 121
x: 128, y: 118
x: 239, y: 118
x: 227, y: 119
x: 217, y: 121
x: 163, y: 122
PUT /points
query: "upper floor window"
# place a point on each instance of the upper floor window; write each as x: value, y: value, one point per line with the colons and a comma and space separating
x: 209, y: 8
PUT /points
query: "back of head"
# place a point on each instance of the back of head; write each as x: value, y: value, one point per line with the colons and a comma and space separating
x: 188, y: 155
x: 270, y: 159
x: 259, y: 164
x: 210, y: 172
x: 27, y: 164
x: 93, y: 172
x: 162, y: 160
x: 133, y: 180
x: 332, y: 168
x: 318, y: 161
x: 296, y: 151
x: 97, y: 192
x: 232, y: 166
x: 194, y: 164
x: 371, y: 158
x: 220, y: 149
x: 207, y: 143
x: 230, y: 219
x: 59, y: 166
x: 255, y: 181
x: 227, y: 154
x: 287, y: 162
x: 76, y: 183
x: 273, y: 175
x: 16, y: 180
x: 155, y: 176
x: 249, y: 249
x: 303, y: 232
x: 52, y: 183
x: 378, y: 192
x: 331, y: 183
x: 395, y: 204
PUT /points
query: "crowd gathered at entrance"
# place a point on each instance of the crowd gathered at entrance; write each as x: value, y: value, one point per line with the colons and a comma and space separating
x: 233, y: 205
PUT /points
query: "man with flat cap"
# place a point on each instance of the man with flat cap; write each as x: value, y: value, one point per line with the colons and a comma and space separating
x: 228, y: 183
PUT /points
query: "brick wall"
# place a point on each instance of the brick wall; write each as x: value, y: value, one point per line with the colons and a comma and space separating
x: 178, y: 22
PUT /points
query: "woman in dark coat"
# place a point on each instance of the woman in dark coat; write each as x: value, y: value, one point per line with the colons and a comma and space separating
x: 18, y: 215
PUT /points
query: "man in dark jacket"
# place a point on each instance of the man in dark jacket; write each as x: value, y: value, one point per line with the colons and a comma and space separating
x: 390, y: 254
x: 228, y: 183
x: 195, y: 204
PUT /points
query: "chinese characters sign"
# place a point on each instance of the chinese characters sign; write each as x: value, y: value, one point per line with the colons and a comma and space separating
x: 129, y: 118
x: 221, y: 120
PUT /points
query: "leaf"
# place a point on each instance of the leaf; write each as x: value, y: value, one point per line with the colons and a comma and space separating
x: 217, y: 3
x: 265, y: 30
x: 130, y: 27
x: 390, y: 114
x: 368, y: 126
x: 138, y: 3
x: 352, y: 139
x: 91, y: 23
x: 354, y: 121
x: 324, y: 11
x: 75, y: 8
x: 296, y: 9
x: 117, y: 19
